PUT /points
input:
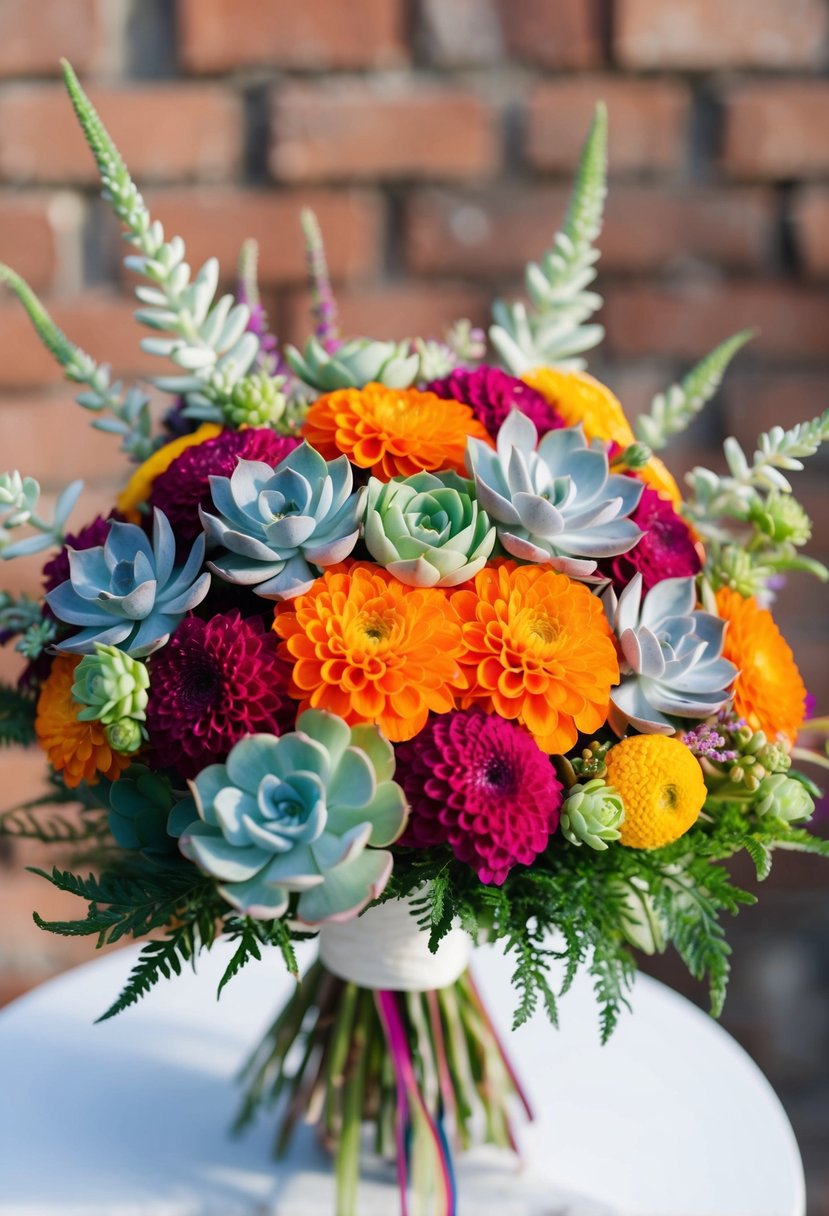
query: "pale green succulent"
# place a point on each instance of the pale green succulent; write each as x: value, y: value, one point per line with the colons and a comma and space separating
x: 592, y: 814
x: 308, y: 812
x: 354, y: 364
x: 111, y: 685
x: 427, y: 530
x: 671, y: 657
x: 256, y: 400
x: 556, y: 502
x: 733, y: 567
x: 784, y: 798
x: 125, y: 736
x: 781, y: 518
x: 277, y: 526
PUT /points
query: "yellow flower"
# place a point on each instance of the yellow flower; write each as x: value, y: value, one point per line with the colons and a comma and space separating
x: 661, y: 785
x: 139, y: 487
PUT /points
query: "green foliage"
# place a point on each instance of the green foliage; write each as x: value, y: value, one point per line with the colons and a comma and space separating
x: 672, y: 411
x: 128, y: 409
x: 17, y: 717
x: 553, y: 329
x: 206, y: 337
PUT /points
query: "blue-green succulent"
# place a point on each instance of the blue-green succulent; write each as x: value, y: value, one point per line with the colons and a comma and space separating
x: 671, y: 661
x: 128, y: 592
x: 354, y: 364
x: 308, y: 812
x: 277, y: 526
x: 427, y: 530
x: 556, y: 502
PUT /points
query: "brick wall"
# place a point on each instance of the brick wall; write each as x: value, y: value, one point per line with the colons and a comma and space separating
x: 435, y: 139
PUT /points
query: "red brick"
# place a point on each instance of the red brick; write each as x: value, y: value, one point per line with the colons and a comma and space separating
x: 561, y: 35
x: 465, y: 33
x: 811, y: 228
x: 336, y: 132
x: 34, y: 37
x: 103, y: 325
x: 390, y: 311
x: 33, y: 437
x: 692, y: 318
x: 647, y: 129
x: 164, y: 132
x: 40, y: 236
x: 219, y: 35
x: 756, y: 401
x: 215, y: 223
x: 699, y: 34
x: 645, y: 229
x: 777, y: 129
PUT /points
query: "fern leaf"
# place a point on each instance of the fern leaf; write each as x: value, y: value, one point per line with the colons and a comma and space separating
x: 158, y: 960
x: 17, y: 717
x: 672, y: 411
x: 553, y: 329
x: 247, y: 949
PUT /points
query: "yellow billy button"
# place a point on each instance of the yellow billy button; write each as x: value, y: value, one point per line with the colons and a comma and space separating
x: 661, y: 785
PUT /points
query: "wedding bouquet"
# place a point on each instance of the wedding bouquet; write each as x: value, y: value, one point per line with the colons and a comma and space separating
x: 409, y: 646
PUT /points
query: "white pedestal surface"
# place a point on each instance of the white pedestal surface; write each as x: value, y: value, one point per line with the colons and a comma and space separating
x: 130, y: 1118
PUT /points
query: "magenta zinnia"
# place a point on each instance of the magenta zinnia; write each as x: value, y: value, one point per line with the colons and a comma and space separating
x: 492, y: 394
x: 481, y: 785
x: 666, y: 550
x: 185, y: 486
x: 214, y: 682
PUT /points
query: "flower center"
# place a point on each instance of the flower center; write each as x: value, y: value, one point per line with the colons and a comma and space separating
x: 497, y: 774
x: 375, y: 627
x: 544, y: 629
x: 669, y: 798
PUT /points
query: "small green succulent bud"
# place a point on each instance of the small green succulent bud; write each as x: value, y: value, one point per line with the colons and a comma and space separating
x: 18, y: 498
x: 774, y: 758
x: 256, y: 400
x: 737, y: 570
x: 785, y: 798
x: 125, y: 736
x: 635, y: 456
x: 591, y: 762
x: 781, y: 518
x: 592, y: 814
x: 112, y: 686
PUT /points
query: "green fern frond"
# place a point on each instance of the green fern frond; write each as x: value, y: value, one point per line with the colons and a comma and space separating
x: 206, y: 337
x: 17, y: 717
x: 158, y: 960
x: 553, y: 329
x: 672, y: 411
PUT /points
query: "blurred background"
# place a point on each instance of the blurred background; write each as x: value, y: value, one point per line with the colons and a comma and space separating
x: 435, y: 139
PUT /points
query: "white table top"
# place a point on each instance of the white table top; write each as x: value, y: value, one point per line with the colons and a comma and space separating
x: 129, y: 1118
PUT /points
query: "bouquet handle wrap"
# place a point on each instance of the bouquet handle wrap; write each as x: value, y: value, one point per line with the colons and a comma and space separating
x: 385, y: 949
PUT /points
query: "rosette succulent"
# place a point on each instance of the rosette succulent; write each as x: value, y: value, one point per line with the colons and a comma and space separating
x: 785, y: 798
x: 353, y: 364
x: 555, y: 503
x: 671, y: 657
x: 276, y: 525
x: 592, y: 814
x: 111, y: 685
x: 128, y: 592
x: 298, y: 813
x: 427, y: 530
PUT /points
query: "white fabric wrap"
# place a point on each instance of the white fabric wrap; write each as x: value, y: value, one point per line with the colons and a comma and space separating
x: 384, y: 948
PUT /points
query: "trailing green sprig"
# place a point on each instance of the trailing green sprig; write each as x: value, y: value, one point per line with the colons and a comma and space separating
x: 207, y: 338
x: 553, y: 329
x: 127, y: 409
x: 675, y: 409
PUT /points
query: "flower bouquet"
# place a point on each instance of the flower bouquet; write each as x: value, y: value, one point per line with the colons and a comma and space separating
x: 408, y: 647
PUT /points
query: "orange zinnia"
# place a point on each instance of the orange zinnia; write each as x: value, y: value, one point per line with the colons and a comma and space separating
x: 769, y: 692
x: 394, y: 432
x: 538, y: 649
x: 79, y: 750
x: 370, y: 649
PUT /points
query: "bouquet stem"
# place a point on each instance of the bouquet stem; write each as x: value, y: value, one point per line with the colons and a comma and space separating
x: 425, y: 1070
